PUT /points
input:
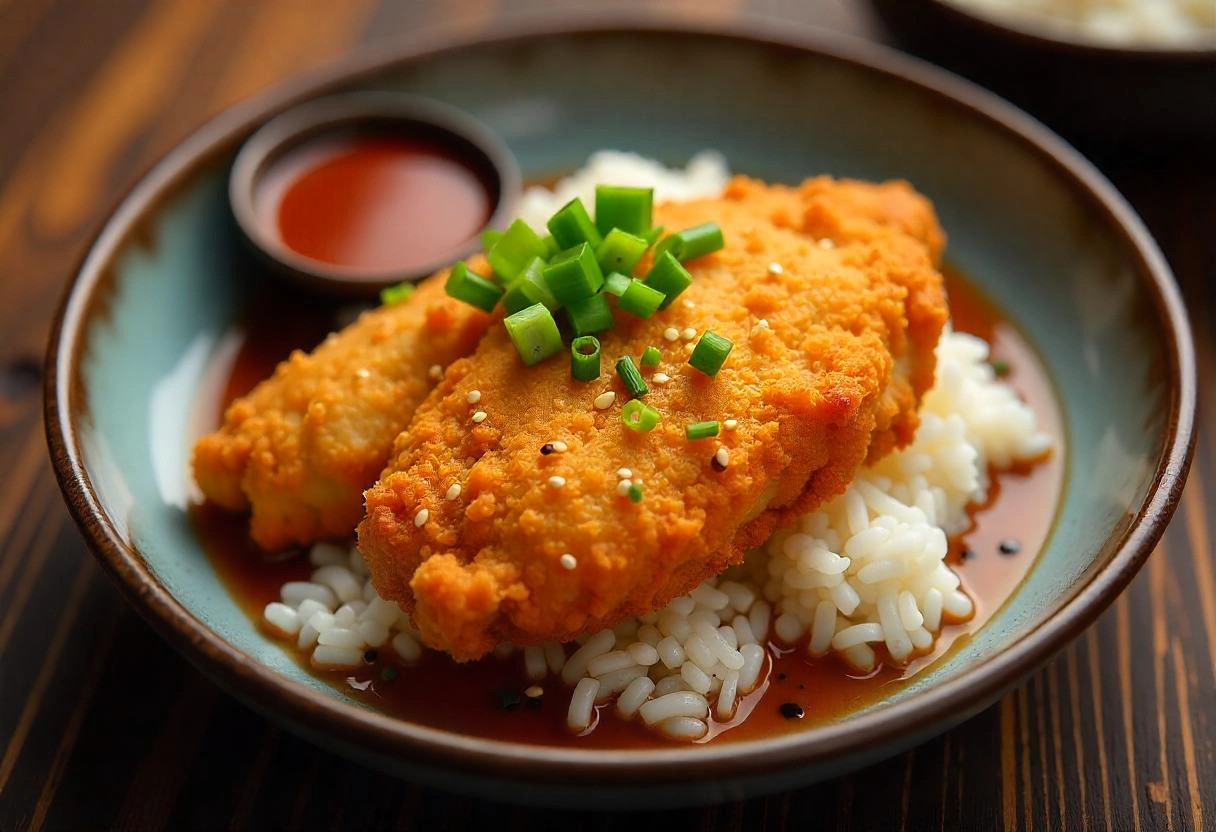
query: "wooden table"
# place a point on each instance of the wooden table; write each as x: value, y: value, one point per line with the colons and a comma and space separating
x: 103, y: 726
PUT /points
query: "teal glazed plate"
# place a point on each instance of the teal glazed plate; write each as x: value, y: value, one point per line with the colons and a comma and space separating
x: 1040, y: 231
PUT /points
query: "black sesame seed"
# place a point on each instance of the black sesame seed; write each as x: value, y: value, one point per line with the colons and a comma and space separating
x: 801, y: 687
x: 715, y: 464
x: 780, y: 677
x: 546, y: 449
x: 507, y: 699
x: 370, y: 656
x: 1009, y: 547
x: 791, y: 710
x: 969, y: 553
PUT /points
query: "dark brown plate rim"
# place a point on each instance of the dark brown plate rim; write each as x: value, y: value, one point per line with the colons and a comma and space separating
x: 1035, y: 35
x: 409, y: 743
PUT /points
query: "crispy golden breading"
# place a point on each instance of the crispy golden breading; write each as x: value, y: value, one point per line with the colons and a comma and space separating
x: 831, y: 353
x: 301, y: 447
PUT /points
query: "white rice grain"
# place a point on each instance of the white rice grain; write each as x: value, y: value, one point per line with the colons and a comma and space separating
x: 582, y: 704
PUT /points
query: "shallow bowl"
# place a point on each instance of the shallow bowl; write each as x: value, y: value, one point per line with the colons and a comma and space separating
x: 1034, y: 224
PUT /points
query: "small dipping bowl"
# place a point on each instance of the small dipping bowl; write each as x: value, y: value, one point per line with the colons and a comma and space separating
x: 352, y: 193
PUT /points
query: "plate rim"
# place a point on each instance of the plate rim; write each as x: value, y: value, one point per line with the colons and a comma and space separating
x: 404, y: 742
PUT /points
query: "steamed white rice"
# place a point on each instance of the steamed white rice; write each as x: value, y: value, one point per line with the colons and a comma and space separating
x: 866, y: 571
x: 1159, y: 23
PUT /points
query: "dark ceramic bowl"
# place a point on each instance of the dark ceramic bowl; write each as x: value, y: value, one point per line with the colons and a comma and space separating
x: 365, y: 113
x: 147, y: 321
x: 1087, y: 90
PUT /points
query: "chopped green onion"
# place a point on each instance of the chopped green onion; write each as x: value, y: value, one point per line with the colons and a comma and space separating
x: 701, y: 430
x: 693, y: 242
x: 585, y: 358
x: 653, y: 234
x: 396, y: 294
x: 710, y: 353
x: 616, y: 284
x: 620, y: 251
x: 1000, y: 368
x: 622, y: 207
x: 471, y: 288
x: 635, y: 492
x: 589, y: 315
x: 534, y: 333
x: 489, y: 237
x: 651, y: 357
x: 529, y: 288
x: 631, y: 377
x: 639, y: 416
x: 640, y: 299
x: 571, y: 225
x: 514, y: 250
x: 669, y: 277
x: 551, y: 246
x: 574, y: 275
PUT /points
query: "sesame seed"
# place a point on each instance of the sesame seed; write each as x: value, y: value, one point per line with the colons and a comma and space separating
x: 363, y: 372
x: 762, y: 323
x: 721, y: 459
x: 731, y: 424
x: 604, y: 400
x: 560, y: 446
x: 534, y: 692
x: 775, y: 268
x: 624, y: 473
x: 688, y: 334
x: 689, y: 304
x: 825, y: 243
x: 660, y: 378
x: 671, y: 334
x: 622, y: 487
x: 474, y: 397
x: 421, y: 517
x: 436, y: 372
x: 453, y: 491
x: 568, y: 561
x: 546, y: 449
x: 557, y: 482
x: 479, y: 417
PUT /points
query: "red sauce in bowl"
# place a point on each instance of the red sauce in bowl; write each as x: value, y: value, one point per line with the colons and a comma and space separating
x: 374, y: 203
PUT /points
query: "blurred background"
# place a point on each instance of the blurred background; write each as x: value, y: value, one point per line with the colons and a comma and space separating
x: 121, y: 733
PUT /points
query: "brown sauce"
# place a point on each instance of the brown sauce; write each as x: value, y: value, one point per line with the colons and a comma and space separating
x: 462, y: 698
x: 374, y: 203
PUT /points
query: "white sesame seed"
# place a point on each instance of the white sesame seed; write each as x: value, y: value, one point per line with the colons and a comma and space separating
x: 604, y: 400
x: 762, y: 323
x: 453, y: 491
x: 557, y: 482
x: 534, y: 692
x: 671, y: 334
x: 568, y: 561
x: 479, y: 417
x: 624, y: 473
x: 363, y: 372
x: 474, y: 397
x: 688, y: 334
x: 826, y: 243
x: 660, y: 378
x: 436, y: 372
x: 623, y: 486
x: 560, y: 447
x: 723, y: 457
x: 689, y: 304
x: 775, y: 268
x: 731, y: 424
x: 421, y: 517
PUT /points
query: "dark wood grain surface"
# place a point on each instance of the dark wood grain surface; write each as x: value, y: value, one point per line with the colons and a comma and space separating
x: 102, y: 726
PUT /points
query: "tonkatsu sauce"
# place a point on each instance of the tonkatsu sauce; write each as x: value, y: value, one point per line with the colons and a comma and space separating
x: 440, y: 693
x: 373, y: 203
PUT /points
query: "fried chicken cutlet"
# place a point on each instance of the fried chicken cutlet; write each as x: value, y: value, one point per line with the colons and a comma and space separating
x: 483, y: 537
x: 299, y: 450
